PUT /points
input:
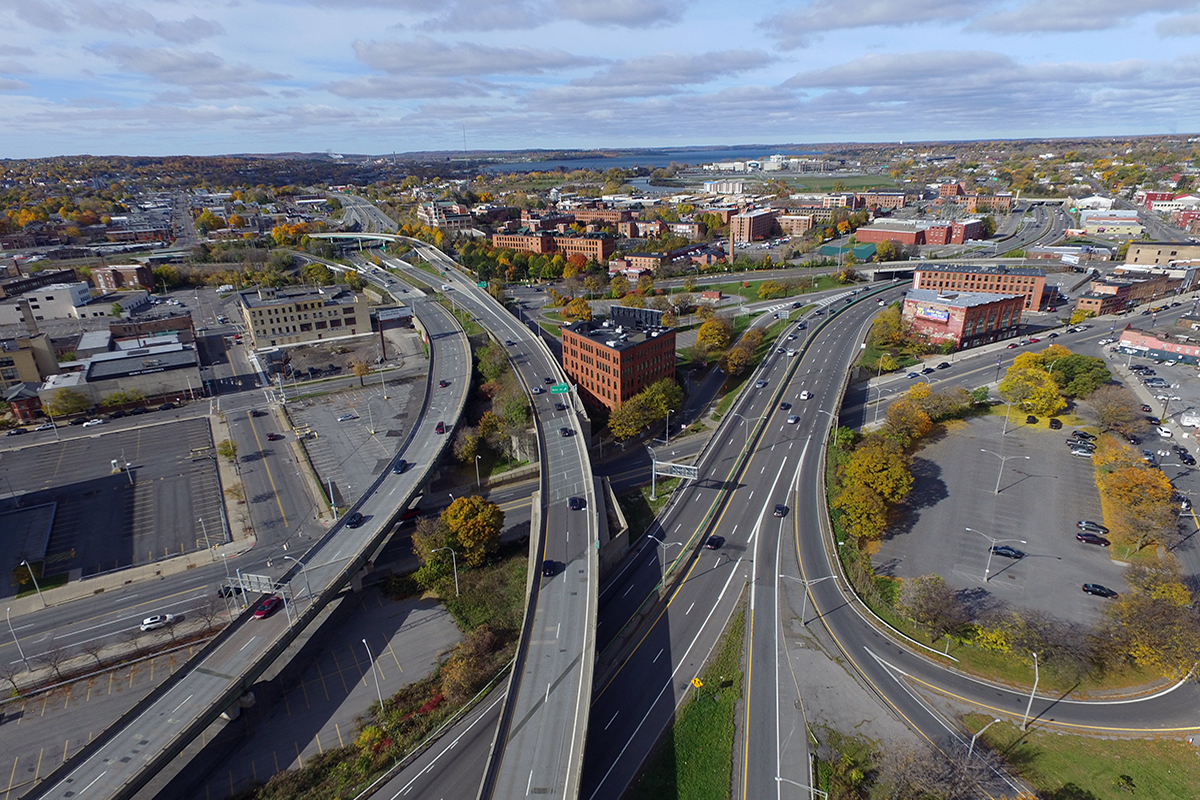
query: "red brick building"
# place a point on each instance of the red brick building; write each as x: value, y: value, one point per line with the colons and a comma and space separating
x: 597, y: 247
x: 610, y: 363
x: 751, y: 226
x: 967, y: 319
x: 1028, y: 281
x: 123, y: 276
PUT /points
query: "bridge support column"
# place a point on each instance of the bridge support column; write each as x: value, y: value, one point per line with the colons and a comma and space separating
x: 234, y: 711
x: 356, y: 583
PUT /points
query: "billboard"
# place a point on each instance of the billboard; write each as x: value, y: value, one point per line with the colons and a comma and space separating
x: 928, y: 312
x: 389, y: 314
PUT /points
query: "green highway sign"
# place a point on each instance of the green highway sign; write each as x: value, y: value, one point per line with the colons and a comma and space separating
x: 481, y: 285
x: 560, y: 388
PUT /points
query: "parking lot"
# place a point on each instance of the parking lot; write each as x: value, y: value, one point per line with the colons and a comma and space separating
x: 104, y: 520
x: 1044, y: 491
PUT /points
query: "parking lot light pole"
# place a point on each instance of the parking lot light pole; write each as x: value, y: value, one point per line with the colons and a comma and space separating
x: 1032, y: 692
x: 33, y: 578
x: 807, y: 583
x: 1003, y: 460
x: 987, y: 571
x: 375, y: 674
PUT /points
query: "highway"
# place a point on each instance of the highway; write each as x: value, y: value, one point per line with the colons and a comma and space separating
x: 178, y: 710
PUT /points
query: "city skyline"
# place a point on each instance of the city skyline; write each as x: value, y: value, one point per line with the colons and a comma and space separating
x: 377, y: 76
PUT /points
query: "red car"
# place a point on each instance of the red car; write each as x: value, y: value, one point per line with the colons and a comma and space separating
x: 268, y: 607
x: 1034, y: 340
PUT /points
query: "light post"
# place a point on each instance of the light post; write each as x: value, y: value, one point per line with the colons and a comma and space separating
x: 33, y: 578
x: 811, y: 791
x: 879, y: 400
x: 988, y: 569
x: 8, y: 616
x: 304, y: 572
x: 807, y: 583
x: 668, y: 431
x: 453, y: 562
x: 833, y: 422
x: 1032, y: 692
x: 971, y: 749
x: 375, y: 674
x: 1003, y: 460
x: 207, y: 543
x: 478, y: 482
x: 653, y: 473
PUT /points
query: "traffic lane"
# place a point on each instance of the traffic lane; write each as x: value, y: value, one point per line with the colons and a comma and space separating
x: 276, y: 500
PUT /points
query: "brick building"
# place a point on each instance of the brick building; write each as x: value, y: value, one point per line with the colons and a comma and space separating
x: 997, y: 279
x: 596, y: 246
x: 123, y: 276
x: 292, y: 315
x: 876, y: 200
x: 1161, y: 253
x: 967, y: 319
x: 612, y: 362
x: 753, y: 225
x: 1147, y: 345
x: 607, y: 216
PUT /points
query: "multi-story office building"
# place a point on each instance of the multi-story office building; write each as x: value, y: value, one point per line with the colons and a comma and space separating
x: 294, y: 315
x: 1029, y: 281
x: 615, y: 360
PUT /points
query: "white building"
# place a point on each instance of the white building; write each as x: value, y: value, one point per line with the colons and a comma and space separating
x: 56, y: 301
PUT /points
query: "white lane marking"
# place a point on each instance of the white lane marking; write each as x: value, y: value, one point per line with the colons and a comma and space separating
x: 610, y: 722
x: 693, y: 605
x: 181, y: 705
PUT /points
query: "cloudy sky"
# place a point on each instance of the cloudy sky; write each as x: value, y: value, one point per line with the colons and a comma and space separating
x: 137, y: 77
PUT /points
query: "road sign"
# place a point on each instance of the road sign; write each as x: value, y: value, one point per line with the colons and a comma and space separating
x: 697, y: 682
x: 481, y: 285
x: 560, y: 388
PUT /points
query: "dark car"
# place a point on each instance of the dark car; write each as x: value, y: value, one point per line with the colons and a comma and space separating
x: 560, y: 406
x: 714, y: 542
x: 1146, y: 408
x: 268, y: 607
x: 440, y: 427
x: 1098, y: 590
x: 928, y: 371
x: 547, y: 569
x: 118, y: 414
x: 1188, y: 459
x: 78, y: 421
x: 549, y: 380
x: 575, y: 503
x: 166, y: 407
x: 354, y: 520
x: 255, y: 412
x: 509, y: 342
x: 1090, y: 437
x: 784, y: 406
x: 229, y: 591
x: 15, y: 432
x: 781, y: 510
x: 1088, y: 525
x: 136, y: 412
x: 1087, y: 537
x: 1083, y: 444
x: 565, y: 432
x: 401, y: 465
x: 443, y: 384
x: 1056, y: 424
x: 1007, y: 552
x: 797, y: 304
x: 1031, y: 420
x: 944, y: 365
x: 1132, y: 439
x: 274, y: 437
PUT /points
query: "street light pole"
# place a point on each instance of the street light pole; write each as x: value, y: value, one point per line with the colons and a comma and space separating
x: 807, y: 583
x: 33, y: 578
x: 1003, y: 461
x: 1032, y: 692
x: 988, y: 569
x: 453, y: 562
x: 668, y: 431
x: 304, y: 572
x: 971, y: 749
x: 833, y: 422
x: 207, y: 543
x: 746, y: 424
x: 478, y: 482
x: 8, y: 616
x: 378, y: 692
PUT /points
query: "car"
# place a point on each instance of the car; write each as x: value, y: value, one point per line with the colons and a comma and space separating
x: 1052, y: 336
x: 1133, y: 439
x: 1034, y: 340
x: 77, y: 421
x: 1055, y: 424
x: 547, y: 568
x: 913, y: 375
x: 166, y: 407
x: 1088, y: 525
x: 791, y: 336
x: 347, y: 417
x: 1011, y: 346
x: 818, y: 313
x: 400, y: 466
x: 45, y: 426
x: 784, y: 406
x: 355, y: 519
x: 93, y: 422
x: 565, y: 432
x: 928, y: 371
x: 780, y: 510
x: 118, y: 414
x: 1148, y: 457
x: 137, y: 412
x: 229, y: 590
x: 549, y: 380
x: 793, y: 419
x: 1164, y: 432
x: 576, y: 503
x: 268, y: 607
x: 1188, y: 459
x: 944, y: 365
x: 1154, y: 420
x: 560, y: 406
x: 1147, y: 372
x: 273, y: 437
x: 1089, y: 437
x: 760, y: 383
x: 1082, y: 444
x: 1146, y: 408
x: 537, y: 390
x: 1087, y: 537
x: 443, y: 384
x: 806, y: 395
x: 157, y: 621
x: 1081, y: 453
x: 779, y: 351
x: 1007, y: 552
x: 1185, y: 504
x: 257, y: 412
x: 714, y: 542
x: 509, y: 343
x: 1023, y: 342
x: 797, y: 304
x: 1098, y: 590
x: 1031, y: 420
x: 440, y: 427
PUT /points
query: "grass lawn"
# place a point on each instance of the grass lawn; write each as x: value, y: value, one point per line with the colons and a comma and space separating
x: 694, y: 760
x: 640, y: 510
x: 553, y: 330
x: 1079, y: 768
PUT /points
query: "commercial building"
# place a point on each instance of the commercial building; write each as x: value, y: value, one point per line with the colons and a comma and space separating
x: 1112, y: 223
x: 26, y: 360
x: 877, y: 200
x: 123, y: 276
x: 967, y: 319
x: 596, y: 246
x: 795, y: 224
x: 295, y: 315
x: 1129, y: 287
x: 615, y: 360
x: 56, y: 301
x: 1161, y: 253
x: 997, y: 279
x: 753, y: 225
x: 724, y: 187
x: 166, y: 372
x: 1148, y: 345
x: 146, y: 328
x: 11, y: 287
x: 444, y: 215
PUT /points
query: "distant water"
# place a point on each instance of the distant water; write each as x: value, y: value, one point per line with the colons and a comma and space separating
x: 651, y: 158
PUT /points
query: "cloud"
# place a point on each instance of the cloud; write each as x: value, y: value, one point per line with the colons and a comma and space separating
x: 622, y: 13
x: 1178, y: 26
x: 427, y: 57
x: 188, y: 31
x: 204, y: 74
x: 662, y: 72
x: 10, y: 67
x: 115, y: 17
x: 402, y: 87
x: 904, y: 69
x: 40, y: 14
x: 7, y: 85
x: 11, y: 50
x: 1070, y: 16
x: 795, y: 28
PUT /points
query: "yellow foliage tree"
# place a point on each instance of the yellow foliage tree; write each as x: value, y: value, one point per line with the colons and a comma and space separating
x: 1033, y: 390
x: 713, y: 335
x: 882, y: 465
x: 476, y: 524
x: 577, y: 309
x: 864, y: 514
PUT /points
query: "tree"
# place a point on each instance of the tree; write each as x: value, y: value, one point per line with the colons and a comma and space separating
x: 889, y: 250
x: 1079, y: 315
x: 228, y: 450
x: 466, y: 444
x: 669, y: 320
x: 662, y: 396
x: 361, y: 369
x: 714, y: 334
x: 68, y: 401
x: 880, y: 464
x: 1137, y: 504
x: 1032, y: 389
x: 629, y: 418
x: 577, y: 309
x: 989, y: 226
x: 907, y: 422
x: 431, y: 533
x: 618, y: 287
x: 736, y: 360
x: 1079, y: 375
x: 864, y: 514
x: 1114, y: 408
x: 116, y: 310
x: 932, y: 603
x: 476, y: 524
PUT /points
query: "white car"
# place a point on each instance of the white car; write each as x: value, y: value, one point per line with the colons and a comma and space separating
x: 793, y: 419
x: 157, y: 621
x: 806, y: 394
x: 537, y: 390
x: 92, y: 422
x: 1164, y: 432
x: 347, y: 417
x: 45, y: 426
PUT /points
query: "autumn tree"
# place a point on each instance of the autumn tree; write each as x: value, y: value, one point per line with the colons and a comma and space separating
x: 361, y: 369
x: 1137, y: 504
x: 1114, y: 408
x: 577, y: 309
x: 662, y: 396
x: 618, y: 287
x: 629, y: 418
x: 228, y: 450
x: 475, y: 524
x: 466, y: 444
x: 645, y: 284
x: 1153, y: 621
x: 1032, y: 389
x: 714, y: 334
x: 881, y: 465
x: 68, y: 401
x: 933, y: 604
x: 1078, y: 375
x: 864, y: 514
x: 906, y: 422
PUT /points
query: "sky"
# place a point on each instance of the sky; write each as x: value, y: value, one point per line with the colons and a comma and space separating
x: 206, y: 77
